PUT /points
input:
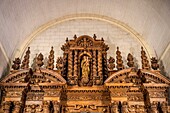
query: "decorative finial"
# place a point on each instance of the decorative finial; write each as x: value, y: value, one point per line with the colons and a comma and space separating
x: 154, y: 63
x: 50, y: 62
x: 130, y: 60
x: 67, y: 39
x: 40, y: 60
x: 59, y: 64
x: 75, y: 37
x: 145, y: 62
x: 117, y: 48
x: 94, y: 36
x: 16, y: 64
x: 25, y: 62
x: 111, y: 64
x: 119, y: 60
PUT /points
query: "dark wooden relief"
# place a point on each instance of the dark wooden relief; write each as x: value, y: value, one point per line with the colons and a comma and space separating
x: 85, y: 82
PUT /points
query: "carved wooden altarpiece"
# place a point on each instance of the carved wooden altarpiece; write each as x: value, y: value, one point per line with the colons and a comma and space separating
x: 85, y: 82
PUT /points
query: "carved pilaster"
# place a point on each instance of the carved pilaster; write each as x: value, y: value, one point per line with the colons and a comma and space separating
x: 56, y: 107
x: 6, y: 106
x: 46, y: 107
x: 17, y: 107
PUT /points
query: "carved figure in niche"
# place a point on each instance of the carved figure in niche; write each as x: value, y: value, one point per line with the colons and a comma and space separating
x: 85, y: 68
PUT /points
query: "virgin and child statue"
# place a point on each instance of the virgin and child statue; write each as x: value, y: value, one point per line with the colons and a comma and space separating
x: 85, y: 68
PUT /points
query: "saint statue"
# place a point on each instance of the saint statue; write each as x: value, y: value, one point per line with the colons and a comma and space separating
x: 85, y: 68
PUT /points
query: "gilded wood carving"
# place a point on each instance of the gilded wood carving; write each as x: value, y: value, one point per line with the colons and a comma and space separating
x: 85, y: 82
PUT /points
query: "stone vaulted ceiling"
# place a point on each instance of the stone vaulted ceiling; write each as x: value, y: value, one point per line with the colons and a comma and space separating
x: 20, y: 18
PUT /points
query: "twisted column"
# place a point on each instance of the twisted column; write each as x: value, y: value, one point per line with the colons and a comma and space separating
x: 100, y: 67
x: 70, y: 64
x: 105, y: 64
x: 64, y: 69
x: 94, y: 66
x: 75, y: 66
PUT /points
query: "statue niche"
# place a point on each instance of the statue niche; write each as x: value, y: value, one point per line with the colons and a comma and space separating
x: 85, y: 70
x: 84, y: 61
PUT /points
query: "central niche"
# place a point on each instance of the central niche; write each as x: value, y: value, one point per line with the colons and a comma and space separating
x: 84, y: 61
x: 85, y: 69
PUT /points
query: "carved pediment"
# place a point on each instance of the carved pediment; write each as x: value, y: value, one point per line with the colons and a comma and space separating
x: 118, y: 77
x: 85, y: 42
x: 152, y: 76
x: 146, y: 76
x: 44, y: 76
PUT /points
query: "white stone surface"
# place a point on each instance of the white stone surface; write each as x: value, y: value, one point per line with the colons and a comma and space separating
x: 113, y: 36
x: 19, y: 18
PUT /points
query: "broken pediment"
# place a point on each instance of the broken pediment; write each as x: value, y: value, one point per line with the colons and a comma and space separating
x: 43, y: 76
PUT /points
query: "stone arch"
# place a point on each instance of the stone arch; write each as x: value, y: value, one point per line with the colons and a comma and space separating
x: 109, y: 20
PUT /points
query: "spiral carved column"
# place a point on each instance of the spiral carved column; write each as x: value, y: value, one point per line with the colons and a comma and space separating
x: 64, y: 69
x: 70, y: 64
x: 99, y: 68
x: 75, y: 66
x: 105, y: 70
x: 94, y: 66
